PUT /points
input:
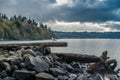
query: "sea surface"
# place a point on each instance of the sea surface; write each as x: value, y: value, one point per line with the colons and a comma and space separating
x: 91, y: 47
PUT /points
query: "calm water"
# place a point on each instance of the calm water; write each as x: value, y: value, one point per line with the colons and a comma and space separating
x: 92, y: 47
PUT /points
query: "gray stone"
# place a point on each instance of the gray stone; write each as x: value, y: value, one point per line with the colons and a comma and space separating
x: 3, y: 74
x: 67, y: 67
x: 44, y: 76
x: 57, y: 72
x: 42, y: 49
x: 72, y: 76
x: 8, y: 78
x: 22, y: 65
x: 111, y: 77
x: 39, y: 53
x: 14, y: 67
x: 11, y: 52
x: 37, y: 63
x: 5, y: 66
x: 62, y: 78
x: 82, y: 77
x: 28, y: 51
x: 15, y: 60
x: 24, y: 75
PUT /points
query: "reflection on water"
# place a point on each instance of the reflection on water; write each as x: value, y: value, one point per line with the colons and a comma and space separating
x: 91, y: 46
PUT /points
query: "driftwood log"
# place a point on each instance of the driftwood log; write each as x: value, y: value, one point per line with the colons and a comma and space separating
x: 16, y: 46
x: 83, y: 58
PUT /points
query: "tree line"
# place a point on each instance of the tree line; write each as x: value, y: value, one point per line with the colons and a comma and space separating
x: 22, y: 28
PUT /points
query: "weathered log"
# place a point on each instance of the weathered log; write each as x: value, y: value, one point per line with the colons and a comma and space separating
x: 83, y: 58
x: 15, y: 46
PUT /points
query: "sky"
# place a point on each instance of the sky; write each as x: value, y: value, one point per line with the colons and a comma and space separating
x: 68, y: 15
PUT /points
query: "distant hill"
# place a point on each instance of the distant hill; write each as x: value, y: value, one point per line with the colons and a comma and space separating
x: 85, y: 35
x: 21, y: 28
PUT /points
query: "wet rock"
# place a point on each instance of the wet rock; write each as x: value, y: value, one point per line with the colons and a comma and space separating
x: 62, y: 78
x: 3, y: 74
x: 57, y: 72
x: 39, y: 53
x: 72, y: 77
x: 37, y: 63
x: 42, y: 49
x: 22, y: 65
x: 67, y: 67
x: 11, y: 52
x: 8, y: 78
x: 5, y: 66
x: 16, y: 60
x: 83, y: 77
x: 28, y: 51
x: 44, y: 76
x: 77, y: 70
x: 14, y: 67
x: 24, y: 75
x: 111, y: 77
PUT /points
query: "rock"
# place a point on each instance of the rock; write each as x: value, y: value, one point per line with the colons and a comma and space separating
x: 47, y: 50
x: 3, y: 74
x: 5, y: 66
x: 111, y: 77
x: 24, y: 75
x: 44, y: 76
x: 8, y: 78
x: 39, y: 53
x: 62, y: 78
x: 77, y: 70
x: 72, y: 77
x: 57, y: 72
x: 28, y: 51
x: 14, y: 67
x: 37, y: 63
x: 11, y: 52
x: 42, y: 49
x: 81, y: 77
x: 22, y: 65
x: 16, y: 61
x: 67, y: 67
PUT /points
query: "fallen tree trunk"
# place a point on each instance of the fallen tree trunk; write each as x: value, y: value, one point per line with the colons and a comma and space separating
x: 16, y: 46
x: 83, y: 58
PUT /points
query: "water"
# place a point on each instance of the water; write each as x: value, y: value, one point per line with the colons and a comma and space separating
x: 92, y: 47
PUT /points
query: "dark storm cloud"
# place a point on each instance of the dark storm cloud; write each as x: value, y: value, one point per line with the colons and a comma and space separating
x: 73, y: 10
x: 91, y: 10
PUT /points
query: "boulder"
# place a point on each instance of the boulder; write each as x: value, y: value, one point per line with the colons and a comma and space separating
x: 8, y: 78
x: 44, y: 76
x: 16, y: 60
x: 57, y: 72
x: 24, y: 75
x: 6, y: 66
x: 82, y: 77
x: 28, y: 51
x: 42, y: 49
x: 62, y: 77
x: 37, y: 63
x: 111, y: 77
x: 3, y: 74
x: 67, y: 67
x: 72, y: 77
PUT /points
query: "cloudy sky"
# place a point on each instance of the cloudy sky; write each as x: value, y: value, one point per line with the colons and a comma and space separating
x: 68, y: 15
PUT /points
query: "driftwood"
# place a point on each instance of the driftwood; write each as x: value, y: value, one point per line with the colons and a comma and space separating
x: 16, y: 46
x: 83, y: 58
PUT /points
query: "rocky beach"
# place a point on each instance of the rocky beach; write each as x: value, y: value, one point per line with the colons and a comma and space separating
x: 38, y: 63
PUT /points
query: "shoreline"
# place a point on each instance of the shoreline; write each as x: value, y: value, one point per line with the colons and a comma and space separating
x: 39, y: 63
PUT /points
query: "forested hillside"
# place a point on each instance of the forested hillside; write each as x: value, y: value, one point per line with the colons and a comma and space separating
x: 22, y: 28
